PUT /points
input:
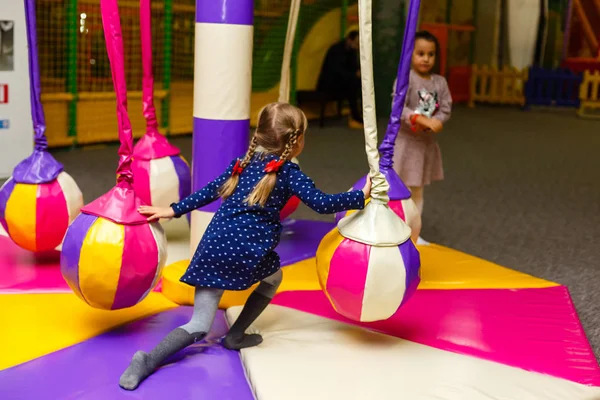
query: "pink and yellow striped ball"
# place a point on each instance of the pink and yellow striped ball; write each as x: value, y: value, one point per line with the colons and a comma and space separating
x: 112, y: 266
x: 36, y: 216
x: 161, y: 181
x: 367, y: 283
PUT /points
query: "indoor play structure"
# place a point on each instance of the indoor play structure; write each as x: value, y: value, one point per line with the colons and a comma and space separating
x: 487, y: 332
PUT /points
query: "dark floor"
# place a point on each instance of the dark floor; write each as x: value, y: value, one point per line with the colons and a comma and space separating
x: 522, y: 189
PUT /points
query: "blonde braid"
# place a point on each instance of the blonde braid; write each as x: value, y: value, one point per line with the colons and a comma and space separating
x: 265, y: 186
x: 250, y: 152
x: 231, y: 184
x: 290, y: 145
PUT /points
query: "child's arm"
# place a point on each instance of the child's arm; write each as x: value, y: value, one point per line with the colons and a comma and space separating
x: 204, y: 196
x: 445, y: 100
x: 304, y: 188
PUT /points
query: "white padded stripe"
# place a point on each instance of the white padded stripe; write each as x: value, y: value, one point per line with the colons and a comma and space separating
x: 385, y: 284
x: 304, y: 356
x: 200, y: 221
x: 223, y: 71
x: 73, y: 195
x: 161, y: 245
x: 165, y: 190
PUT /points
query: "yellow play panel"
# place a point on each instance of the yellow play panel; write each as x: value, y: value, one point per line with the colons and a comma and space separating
x: 299, y: 276
x: 441, y: 268
x: 445, y: 268
x: 34, y: 325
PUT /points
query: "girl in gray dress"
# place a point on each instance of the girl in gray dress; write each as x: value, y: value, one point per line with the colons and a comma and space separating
x: 417, y: 156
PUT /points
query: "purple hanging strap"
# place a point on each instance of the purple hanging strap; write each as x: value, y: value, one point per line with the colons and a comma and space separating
x: 114, y: 45
x: 386, y: 149
x: 40, y: 167
x: 37, y: 111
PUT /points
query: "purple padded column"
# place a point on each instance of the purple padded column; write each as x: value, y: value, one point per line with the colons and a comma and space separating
x: 222, y: 88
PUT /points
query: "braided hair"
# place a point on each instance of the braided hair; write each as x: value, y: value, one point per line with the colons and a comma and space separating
x: 280, y: 126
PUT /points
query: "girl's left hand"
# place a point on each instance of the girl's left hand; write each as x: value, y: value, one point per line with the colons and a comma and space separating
x: 156, y: 213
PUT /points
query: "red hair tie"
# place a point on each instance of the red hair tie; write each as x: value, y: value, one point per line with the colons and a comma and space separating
x: 237, y: 169
x: 273, y: 166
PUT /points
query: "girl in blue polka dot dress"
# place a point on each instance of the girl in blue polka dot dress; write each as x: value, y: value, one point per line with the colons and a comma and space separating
x: 238, y: 247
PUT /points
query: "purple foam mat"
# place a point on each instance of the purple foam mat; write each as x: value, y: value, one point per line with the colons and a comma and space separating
x: 91, y: 370
x: 300, y: 239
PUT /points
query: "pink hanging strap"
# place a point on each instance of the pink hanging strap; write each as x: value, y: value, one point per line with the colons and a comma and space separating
x: 147, y: 77
x: 152, y: 145
x: 114, y: 45
x: 120, y: 204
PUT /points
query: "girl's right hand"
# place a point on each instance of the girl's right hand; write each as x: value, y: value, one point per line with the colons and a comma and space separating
x: 367, y: 188
x: 156, y: 213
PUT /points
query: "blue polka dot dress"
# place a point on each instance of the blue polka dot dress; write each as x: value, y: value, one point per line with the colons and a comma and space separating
x: 238, y: 247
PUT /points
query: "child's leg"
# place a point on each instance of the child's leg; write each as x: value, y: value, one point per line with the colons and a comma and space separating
x: 206, y: 303
x: 257, y: 301
x: 417, y: 196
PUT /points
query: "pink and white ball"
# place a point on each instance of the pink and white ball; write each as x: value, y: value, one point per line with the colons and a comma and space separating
x: 36, y: 216
x: 112, y: 266
x: 400, y: 202
x: 367, y: 283
x: 161, y: 181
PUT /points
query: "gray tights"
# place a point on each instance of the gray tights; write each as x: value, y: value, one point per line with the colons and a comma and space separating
x: 206, y: 303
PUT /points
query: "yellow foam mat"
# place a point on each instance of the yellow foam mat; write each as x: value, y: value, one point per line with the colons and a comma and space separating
x: 34, y: 325
x: 441, y: 268
x: 299, y: 276
x: 445, y: 268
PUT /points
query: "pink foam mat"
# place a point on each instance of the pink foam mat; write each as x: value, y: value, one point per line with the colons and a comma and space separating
x: 22, y: 271
x: 536, y: 330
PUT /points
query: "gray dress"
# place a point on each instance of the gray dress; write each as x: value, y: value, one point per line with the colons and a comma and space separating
x: 417, y: 155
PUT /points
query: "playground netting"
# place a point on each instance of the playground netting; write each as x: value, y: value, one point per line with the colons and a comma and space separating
x: 77, y: 89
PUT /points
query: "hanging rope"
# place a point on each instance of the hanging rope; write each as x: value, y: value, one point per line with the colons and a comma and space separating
x: 377, y: 224
x: 284, y: 84
x: 40, y: 166
x: 114, y: 45
x: 37, y: 111
x: 380, y: 185
x: 408, y: 44
x: 147, y: 77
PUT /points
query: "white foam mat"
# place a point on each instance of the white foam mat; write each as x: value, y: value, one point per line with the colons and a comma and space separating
x: 304, y: 356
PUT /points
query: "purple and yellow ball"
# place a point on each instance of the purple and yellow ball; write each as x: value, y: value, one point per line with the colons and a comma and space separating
x: 112, y: 266
x: 367, y: 283
x: 36, y: 216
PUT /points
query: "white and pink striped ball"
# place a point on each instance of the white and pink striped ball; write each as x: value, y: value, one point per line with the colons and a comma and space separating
x: 367, y: 283
x: 36, y: 216
x: 161, y: 181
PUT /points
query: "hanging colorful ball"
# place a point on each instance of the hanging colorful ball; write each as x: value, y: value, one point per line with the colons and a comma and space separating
x: 36, y: 216
x: 400, y: 202
x: 162, y: 175
x: 292, y: 205
x: 363, y: 282
x: 112, y: 257
x: 112, y: 266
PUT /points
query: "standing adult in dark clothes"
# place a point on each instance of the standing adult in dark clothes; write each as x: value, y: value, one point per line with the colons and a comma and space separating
x: 340, y: 74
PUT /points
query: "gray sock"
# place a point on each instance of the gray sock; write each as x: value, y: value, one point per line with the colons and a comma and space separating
x: 237, y: 338
x: 206, y: 302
